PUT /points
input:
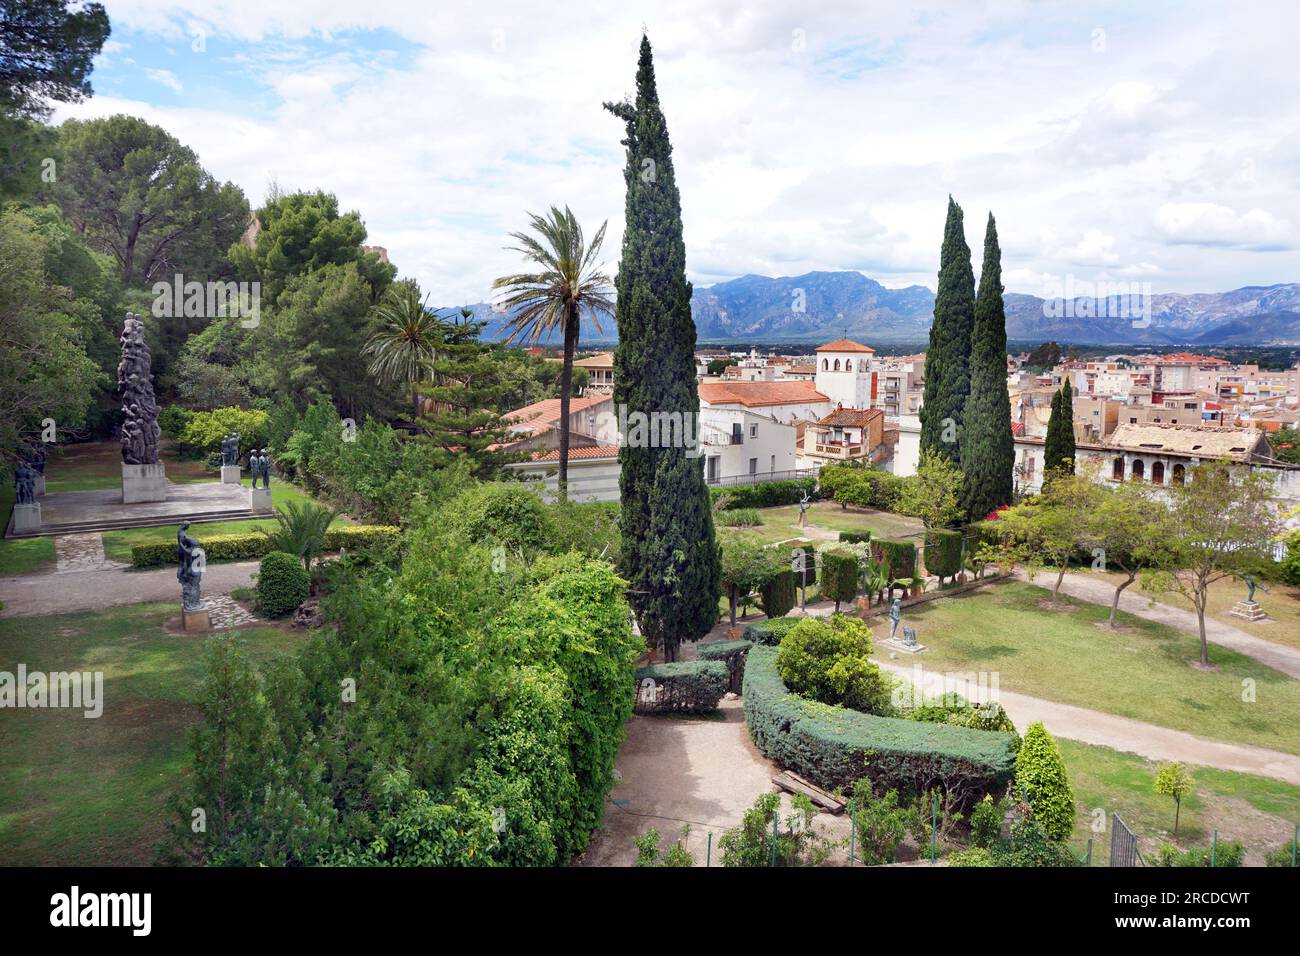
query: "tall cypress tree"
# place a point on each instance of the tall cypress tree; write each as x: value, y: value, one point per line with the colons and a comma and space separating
x: 947, y: 359
x: 988, y: 452
x: 670, y: 552
x: 1058, y: 449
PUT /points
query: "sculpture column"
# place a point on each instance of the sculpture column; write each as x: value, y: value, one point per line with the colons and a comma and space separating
x: 143, y: 476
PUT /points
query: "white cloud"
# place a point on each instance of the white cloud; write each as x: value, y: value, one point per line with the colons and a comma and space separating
x: 1209, y: 224
x: 166, y: 78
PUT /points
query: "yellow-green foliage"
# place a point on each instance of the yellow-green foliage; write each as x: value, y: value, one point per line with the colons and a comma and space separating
x: 1042, y: 782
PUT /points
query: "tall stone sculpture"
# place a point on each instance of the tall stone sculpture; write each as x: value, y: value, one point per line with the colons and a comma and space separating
x: 143, y: 478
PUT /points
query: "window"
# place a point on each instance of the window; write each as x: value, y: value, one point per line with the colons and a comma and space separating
x: 1158, y: 473
x: 753, y: 430
x: 1132, y: 421
x: 772, y: 467
x: 825, y: 365
x: 737, y: 433
x: 1138, y: 469
x: 1117, y: 472
x: 1178, y: 475
x: 753, y: 466
x: 848, y: 365
x: 713, y: 467
x: 837, y: 365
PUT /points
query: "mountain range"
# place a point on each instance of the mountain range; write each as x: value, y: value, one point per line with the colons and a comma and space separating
x: 821, y: 306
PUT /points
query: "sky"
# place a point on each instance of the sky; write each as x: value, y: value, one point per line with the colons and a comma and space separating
x: 1115, y: 143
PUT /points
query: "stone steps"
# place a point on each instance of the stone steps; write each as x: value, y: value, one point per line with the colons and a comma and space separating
x: 48, y: 529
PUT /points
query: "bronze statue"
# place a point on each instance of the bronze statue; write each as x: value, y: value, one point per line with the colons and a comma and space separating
x: 140, y: 433
x: 189, y: 555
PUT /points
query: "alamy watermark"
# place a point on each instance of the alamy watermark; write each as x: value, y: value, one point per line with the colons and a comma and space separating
x: 74, y: 690
x: 1082, y: 299
x: 650, y: 430
x: 208, y: 300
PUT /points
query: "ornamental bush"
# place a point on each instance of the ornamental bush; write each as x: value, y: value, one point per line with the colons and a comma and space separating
x: 986, y: 822
x: 1042, y: 782
x: 881, y: 823
x: 943, y: 553
x: 682, y: 686
x: 827, y: 660
x: 899, y: 555
x: 855, y: 537
x: 839, y: 576
x: 769, y: 632
x: 778, y: 594
x: 507, y: 512
x: 282, y: 584
x: 739, y: 518
x: 834, y: 746
x: 730, y: 653
x: 249, y: 545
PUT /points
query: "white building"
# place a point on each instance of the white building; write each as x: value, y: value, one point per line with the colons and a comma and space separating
x: 844, y: 373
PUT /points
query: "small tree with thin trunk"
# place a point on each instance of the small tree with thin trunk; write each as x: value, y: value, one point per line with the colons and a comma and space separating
x: 1050, y: 530
x: 1222, y: 523
x: 1173, y: 780
x: 1125, y: 532
x: 747, y: 565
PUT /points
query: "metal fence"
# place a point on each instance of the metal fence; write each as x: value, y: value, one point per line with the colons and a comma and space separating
x: 761, y: 476
x: 1123, y: 844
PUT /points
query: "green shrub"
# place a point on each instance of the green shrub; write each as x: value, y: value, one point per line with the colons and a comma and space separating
x: 1288, y: 570
x: 855, y: 537
x: 300, y: 529
x: 647, y: 850
x: 839, y: 576
x: 1042, y: 782
x: 986, y: 822
x: 730, y: 653
x: 1226, y: 854
x: 683, y: 686
x: 282, y: 584
x: 1283, y: 855
x: 971, y: 856
x: 739, y: 518
x: 507, y: 512
x: 1029, y: 845
x: 899, y: 555
x: 765, y: 494
x: 204, y: 430
x: 797, y: 844
x: 769, y: 632
x: 173, y: 420
x: 778, y: 594
x: 254, y: 544
x: 828, y: 661
x: 942, y: 553
x: 881, y: 823
x: 833, y: 746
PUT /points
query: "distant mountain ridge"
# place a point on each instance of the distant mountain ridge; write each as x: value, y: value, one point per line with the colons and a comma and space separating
x: 821, y: 306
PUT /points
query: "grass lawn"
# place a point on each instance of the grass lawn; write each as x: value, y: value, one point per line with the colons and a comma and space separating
x: 95, y: 465
x: 1260, y: 812
x: 118, y: 544
x: 21, y: 555
x: 1144, y: 673
x: 826, y: 520
x: 78, y: 791
x: 1282, y: 602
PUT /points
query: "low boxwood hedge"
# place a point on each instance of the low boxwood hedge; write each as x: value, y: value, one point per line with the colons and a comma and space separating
x: 855, y: 537
x: 766, y: 494
x: 681, y: 687
x: 730, y: 653
x: 833, y: 746
x: 253, y: 544
x: 769, y: 632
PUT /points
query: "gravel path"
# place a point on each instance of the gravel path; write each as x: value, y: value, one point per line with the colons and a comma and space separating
x: 62, y: 592
x: 1094, y: 591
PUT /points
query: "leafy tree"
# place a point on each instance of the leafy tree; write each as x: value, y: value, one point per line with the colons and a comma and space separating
x: 988, y: 452
x: 1286, y: 445
x: 747, y: 565
x: 947, y: 359
x: 405, y: 345
x: 1222, y: 522
x: 47, y: 48
x: 1050, y: 530
x: 1042, y: 782
x: 141, y: 196
x: 1058, y: 449
x: 1044, y: 357
x: 935, y: 493
x: 1124, y: 532
x: 1173, y: 780
x: 881, y: 823
x: 718, y: 366
x: 568, y: 286
x: 669, y: 548
x: 648, y: 853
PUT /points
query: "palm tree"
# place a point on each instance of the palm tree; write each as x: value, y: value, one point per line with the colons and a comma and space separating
x: 300, y: 530
x: 568, y: 285
x: 403, y: 347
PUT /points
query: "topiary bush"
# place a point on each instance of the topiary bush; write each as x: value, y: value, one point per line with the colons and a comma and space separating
x: 942, y: 553
x: 828, y: 661
x: 282, y: 584
x: 1042, y: 782
x: 730, y: 653
x: 769, y: 632
x: 855, y: 537
x: 900, y: 556
x: 839, y: 576
x: 778, y: 594
x: 683, y: 687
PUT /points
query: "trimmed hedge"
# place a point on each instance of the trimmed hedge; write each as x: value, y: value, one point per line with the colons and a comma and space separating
x: 282, y: 584
x: 839, y: 576
x: 681, y: 687
x: 253, y: 544
x: 943, y: 552
x: 809, y: 564
x: 899, y: 555
x: 855, y: 537
x: 833, y: 747
x: 778, y: 594
x: 766, y: 494
x: 730, y: 653
x: 769, y: 632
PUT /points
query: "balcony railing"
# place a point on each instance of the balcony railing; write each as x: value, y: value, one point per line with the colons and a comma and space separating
x: 760, y: 476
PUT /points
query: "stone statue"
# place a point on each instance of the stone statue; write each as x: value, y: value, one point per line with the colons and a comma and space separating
x: 259, y: 465
x: 803, y: 509
x: 189, y: 556
x: 24, y: 484
x: 226, y: 458
x: 909, y: 636
x: 895, y: 615
x: 1250, y: 589
x: 140, y: 432
x: 38, y: 459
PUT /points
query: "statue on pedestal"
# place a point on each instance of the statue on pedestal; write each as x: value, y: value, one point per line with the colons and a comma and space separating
x: 140, y: 432
x: 38, y: 459
x: 895, y: 615
x: 1250, y: 589
x: 259, y: 464
x: 230, y: 450
x: 189, y: 556
x: 24, y: 484
x: 803, y: 509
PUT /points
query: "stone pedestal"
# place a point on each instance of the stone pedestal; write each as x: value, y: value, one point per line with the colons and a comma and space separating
x: 898, y: 644
x: 40, y: 485
x: 1248, y: 610
x: 143, y: 483
x: 259, y: 499
x: 27, y: 517
x: 196, y: 620
x: 230, y: 474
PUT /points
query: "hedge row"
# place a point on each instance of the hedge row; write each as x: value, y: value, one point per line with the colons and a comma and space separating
x: 833, y: 747
x: 778, y: 594
x: 681, y: 687
x: 943, y: 552
x: 855, y: 537
x: 766, y: 494
x: 730, y: 653
x: 839, y: 576
x: 253, y: 544
x: 769, y: 632
x: 899, y: 555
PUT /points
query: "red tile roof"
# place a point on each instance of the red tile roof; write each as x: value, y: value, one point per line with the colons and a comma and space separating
x: 540, y: 416
x: 755, y: 394
x: 844, y: 345
x: 852, y: 417
x: 584, y: 453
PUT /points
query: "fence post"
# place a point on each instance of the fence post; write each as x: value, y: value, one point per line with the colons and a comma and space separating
x: 934, y: 829
x: 853, y: 830
x: 775, y: 816
x: 1214, y: 848
x: 708, y: 851
x: 1088, y: 861
x: 1295, y: 836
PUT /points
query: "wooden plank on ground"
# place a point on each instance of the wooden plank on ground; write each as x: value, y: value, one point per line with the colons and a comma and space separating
x: 792, y: 783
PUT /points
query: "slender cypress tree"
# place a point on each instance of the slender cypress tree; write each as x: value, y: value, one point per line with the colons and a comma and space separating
x: 947, y: 359
x: 1058, y: 450
x: 988, y: 452
x: 670, y: 553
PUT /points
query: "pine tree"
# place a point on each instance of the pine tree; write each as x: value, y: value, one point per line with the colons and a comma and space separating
x: 670, y: 553
x: 1058, y: 450
x: 947, y: 360
x: 988, y: 451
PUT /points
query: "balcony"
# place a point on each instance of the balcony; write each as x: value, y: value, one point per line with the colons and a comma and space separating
x: 837, y: 449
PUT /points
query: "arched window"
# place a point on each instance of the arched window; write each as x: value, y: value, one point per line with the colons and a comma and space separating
x: 848, y: 365
x: 1178, y: 475
x: 1118, y: 471
x: 1138, y: 468
x: 1158, y: 473
x: 826, y: 365
x: 837, y: 365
